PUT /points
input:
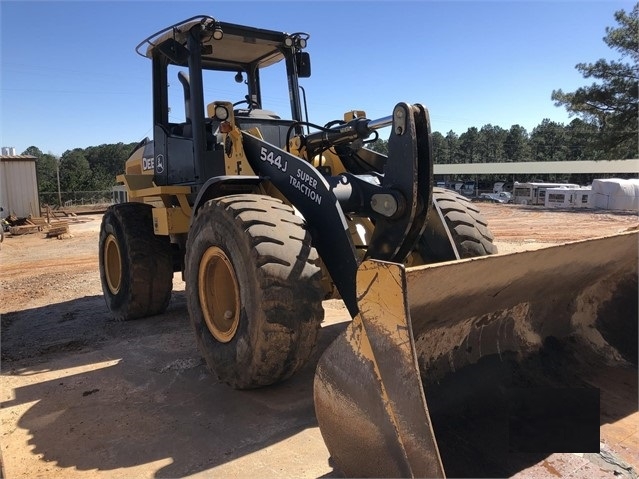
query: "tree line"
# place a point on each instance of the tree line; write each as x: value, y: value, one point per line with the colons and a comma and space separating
x: 94, y: 168
x: 91, y: 169
x: 548, y: 141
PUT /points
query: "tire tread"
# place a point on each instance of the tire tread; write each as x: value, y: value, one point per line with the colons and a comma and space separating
x: 289, y: 289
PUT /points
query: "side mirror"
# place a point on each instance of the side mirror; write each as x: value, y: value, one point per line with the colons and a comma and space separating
x: 303, y: 64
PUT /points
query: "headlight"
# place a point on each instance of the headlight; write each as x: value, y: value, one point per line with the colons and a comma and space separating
x: 218, y: 34
x: 221, y: 113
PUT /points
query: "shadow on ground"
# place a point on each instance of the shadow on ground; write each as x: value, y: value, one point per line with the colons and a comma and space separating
x: 138, y: 392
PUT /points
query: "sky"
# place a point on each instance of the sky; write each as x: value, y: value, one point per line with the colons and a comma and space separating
x: 70, y: 77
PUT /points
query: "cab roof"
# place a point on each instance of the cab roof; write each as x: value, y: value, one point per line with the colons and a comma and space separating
x: 239, y: 46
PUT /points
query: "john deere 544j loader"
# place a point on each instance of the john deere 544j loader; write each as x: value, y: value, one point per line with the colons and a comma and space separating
x: 267, y: 215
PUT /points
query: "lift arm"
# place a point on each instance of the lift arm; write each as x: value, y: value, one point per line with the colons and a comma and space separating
x: 397, y: 201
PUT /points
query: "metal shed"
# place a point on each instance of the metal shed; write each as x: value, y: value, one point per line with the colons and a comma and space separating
x: 19, y: 186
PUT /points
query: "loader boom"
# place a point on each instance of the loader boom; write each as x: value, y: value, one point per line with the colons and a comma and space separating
x: 397, y: 200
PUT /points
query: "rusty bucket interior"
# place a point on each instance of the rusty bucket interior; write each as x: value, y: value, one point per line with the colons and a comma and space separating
x: 482, y: 367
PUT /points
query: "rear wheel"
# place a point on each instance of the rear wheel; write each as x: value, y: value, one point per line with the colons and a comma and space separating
x: 468, y: 229
x: 253, y: 289
x: 136, y: 266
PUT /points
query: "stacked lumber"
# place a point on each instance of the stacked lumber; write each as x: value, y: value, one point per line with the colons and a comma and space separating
x: 35, y: 224
x: 57, y: 228
x: 23, y: 226
x: 37, y: 221
x: 24, y: 229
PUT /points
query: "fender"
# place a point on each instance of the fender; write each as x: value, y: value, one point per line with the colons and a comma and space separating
x: 222, y: 186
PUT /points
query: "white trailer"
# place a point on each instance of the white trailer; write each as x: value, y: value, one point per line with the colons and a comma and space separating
x: 569, y: 197
x: 535, y: 193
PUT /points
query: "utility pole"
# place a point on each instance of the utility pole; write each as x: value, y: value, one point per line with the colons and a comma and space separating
x: 57, y: 169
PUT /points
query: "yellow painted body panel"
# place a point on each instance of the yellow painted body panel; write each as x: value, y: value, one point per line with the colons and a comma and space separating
x: 133, y: 165
x: 236, y: 163
x: 170, y: 221
x: 167, y: 219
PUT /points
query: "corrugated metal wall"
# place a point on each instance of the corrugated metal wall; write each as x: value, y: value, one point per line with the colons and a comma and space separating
x: 19, y: 187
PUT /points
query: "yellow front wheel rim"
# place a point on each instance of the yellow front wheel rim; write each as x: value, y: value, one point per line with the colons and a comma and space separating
x: 219, y: 294
x: 113, y: 264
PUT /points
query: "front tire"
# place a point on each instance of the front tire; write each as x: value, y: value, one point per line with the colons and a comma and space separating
x: 253, y: 290
x: 136, y: 267
x: 468, y: 229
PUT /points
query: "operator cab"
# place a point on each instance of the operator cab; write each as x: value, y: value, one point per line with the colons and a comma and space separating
x: 254, y: 70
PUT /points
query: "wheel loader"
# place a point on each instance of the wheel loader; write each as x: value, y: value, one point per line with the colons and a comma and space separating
x: 267, y: 214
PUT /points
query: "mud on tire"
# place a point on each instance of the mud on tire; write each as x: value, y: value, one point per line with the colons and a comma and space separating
x: 468, y: 228
x: 136, y: 266
x: 260, y: 245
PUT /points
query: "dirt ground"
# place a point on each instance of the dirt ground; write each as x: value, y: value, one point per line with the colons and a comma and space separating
x: 37, y: 271
x: 84, y: 396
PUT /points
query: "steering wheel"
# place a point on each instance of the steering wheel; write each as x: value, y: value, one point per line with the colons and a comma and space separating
x: 251, y: 103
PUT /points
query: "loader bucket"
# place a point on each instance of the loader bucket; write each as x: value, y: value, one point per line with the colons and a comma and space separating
x: 418, y: 326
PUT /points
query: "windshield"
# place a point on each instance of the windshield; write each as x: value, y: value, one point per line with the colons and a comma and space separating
x: 223, y: 86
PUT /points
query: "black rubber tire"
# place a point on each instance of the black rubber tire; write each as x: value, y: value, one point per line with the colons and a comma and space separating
x: 468, y: 228
x: 278, y: 281
x: 146, y: 279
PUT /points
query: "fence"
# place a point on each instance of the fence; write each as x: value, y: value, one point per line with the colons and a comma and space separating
x: 76, y: 198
